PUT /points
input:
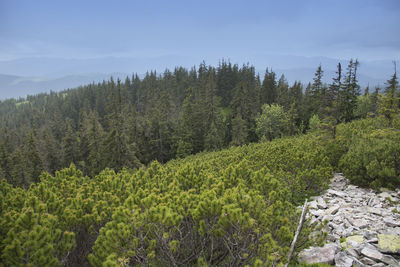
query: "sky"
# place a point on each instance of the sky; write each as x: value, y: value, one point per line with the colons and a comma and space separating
x: 199, y: 30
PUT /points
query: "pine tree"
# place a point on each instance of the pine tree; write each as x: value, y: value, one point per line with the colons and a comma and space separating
x: 317, y: 93
x: 332, y: 110
x: 214, y: 134
x: 390, y: 101
x: 269, y: 92
x: 94, y: 134
x: 35, y: 166
x: 70, y: 146
x: 283, y: 96
x: 349, y: 92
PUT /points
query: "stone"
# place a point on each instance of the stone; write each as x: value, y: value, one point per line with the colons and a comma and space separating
x: 337, y: 219
x: 321, y: 203
x: 333, y: 237
x: 367, y: 261
x: 390, y: 231
x: 352, y: 252
x: 372, y: 253
x: 378, y: 265
x: 332, y: 210
x: 352, y: 244
x: 389, y: 260
x: 391, y: 222
x: 374, y: 210
x: 389, y: 243
x: 360, y: 223
x: 357, y: 263
x: 336, y: 193
x: 316, y: 213
x: 373, y: 201
x: 325, y: 254
x: 356, y: 238
x: 364, y: 218
x: 370, y: 235
x: 372, y: 240
x: 342, y: 260
x: 313, y: 205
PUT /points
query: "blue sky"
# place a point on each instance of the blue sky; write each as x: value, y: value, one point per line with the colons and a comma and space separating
x: 179, y: 32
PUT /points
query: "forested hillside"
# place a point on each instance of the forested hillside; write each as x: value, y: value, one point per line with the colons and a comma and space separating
x: 130, y: 123
x: 227, y: 208
x: 231, y: 207
x: 132, y: 193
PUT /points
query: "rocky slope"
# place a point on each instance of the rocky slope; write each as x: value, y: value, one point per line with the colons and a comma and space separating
x: 363, y: 226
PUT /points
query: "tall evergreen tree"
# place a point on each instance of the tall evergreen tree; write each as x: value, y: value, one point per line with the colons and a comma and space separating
x: 349, y: 92
x: 390, y: 101
x: 34, y: 166
x: 269, y: 92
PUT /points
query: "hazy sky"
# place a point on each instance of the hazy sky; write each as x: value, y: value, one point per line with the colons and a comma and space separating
x: 367, y: 29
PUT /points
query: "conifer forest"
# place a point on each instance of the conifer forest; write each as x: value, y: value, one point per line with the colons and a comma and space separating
x: 204, y: 166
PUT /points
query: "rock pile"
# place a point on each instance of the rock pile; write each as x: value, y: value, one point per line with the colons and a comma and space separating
x: 363, y: 226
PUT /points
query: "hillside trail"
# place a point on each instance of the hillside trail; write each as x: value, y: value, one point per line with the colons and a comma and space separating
x: 362, y: 225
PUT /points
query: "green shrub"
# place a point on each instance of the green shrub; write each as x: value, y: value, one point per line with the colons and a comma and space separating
x: 373, y: 159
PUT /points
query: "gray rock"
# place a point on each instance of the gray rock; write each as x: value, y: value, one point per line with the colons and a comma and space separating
x: 357, y: 263
x: 390, y: 260
x: 370, y: 235
x: 364, y: 218
x: 342, y: 260
x: 367, y: 261
x: 332, y: 210
x: 391, y: 222
x: 373, y: 201
x: 333, y: 237
x: 378, y: 265
x: 336, y: 193
x: 325, y: 254
x: 373, y: 240
x: 313, y: 205
x: 374, y: 210
x: 316, y: 213
x: 360, y: 223
x: 372, y: 253
x: 321, y: 203
x: 389, y: 243
x: 352, y: 252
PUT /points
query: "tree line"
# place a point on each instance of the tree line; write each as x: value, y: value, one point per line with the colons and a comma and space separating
x: 127, y: 124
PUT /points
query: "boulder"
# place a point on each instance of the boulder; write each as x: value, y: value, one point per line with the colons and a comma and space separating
x: 321, y: 203
x: 360, y: 223
x: 332, y: 210
x: 389, y: 243
x: 389, y: 260
x: 342, y: 260
x: 391, y: 222
x: 325, y: 254
x: 313, y: 205
x: 336, y: 193
x: 372, y: 253
x: 356, y: 238
x: 367, y: 261
x: 374, y: 210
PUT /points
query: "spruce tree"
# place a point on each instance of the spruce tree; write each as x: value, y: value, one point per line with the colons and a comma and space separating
x: 390, y: 101
x: 269, y: 92
x: 349, y: 92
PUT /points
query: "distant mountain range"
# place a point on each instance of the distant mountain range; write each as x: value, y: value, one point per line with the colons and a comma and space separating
x: 12, y: 86
x: 28, y: 76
